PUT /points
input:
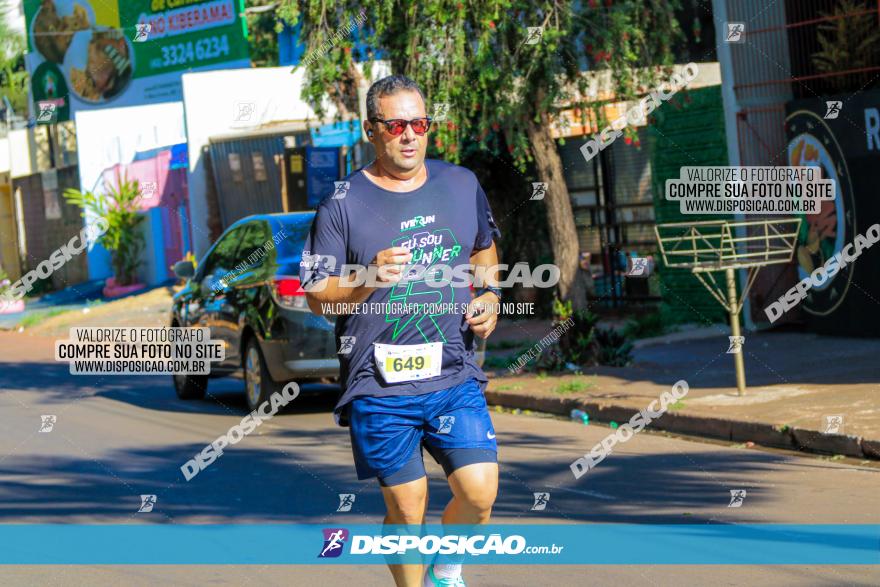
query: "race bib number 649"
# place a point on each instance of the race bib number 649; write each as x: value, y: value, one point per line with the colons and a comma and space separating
x: 408, y: 362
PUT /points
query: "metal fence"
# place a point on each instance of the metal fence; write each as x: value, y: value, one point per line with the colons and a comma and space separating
x: 796, y: 49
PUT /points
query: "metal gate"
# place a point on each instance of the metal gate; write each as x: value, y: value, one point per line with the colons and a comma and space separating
x: 247, y: 176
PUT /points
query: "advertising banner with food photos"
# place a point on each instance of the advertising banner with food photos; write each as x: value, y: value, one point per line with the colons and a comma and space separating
x: 89, y: 54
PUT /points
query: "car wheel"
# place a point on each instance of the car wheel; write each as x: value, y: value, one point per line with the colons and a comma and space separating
x: 190, y: 386
x: 259, y: 385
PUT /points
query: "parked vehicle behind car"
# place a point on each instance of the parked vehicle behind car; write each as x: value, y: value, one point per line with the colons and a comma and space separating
x: 247, y: 291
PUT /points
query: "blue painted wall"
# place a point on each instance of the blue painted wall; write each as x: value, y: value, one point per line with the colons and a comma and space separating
x: 291, y: 51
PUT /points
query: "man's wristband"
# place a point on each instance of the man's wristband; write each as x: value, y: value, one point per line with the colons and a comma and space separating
x: 489, y: 289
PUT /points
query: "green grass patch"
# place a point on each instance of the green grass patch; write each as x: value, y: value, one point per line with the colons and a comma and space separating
x: 33, y: 319
x: 576, y: 386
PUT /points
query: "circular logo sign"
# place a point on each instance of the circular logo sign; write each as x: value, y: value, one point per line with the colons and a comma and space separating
x: 824, y: 234
x: 50, y: 87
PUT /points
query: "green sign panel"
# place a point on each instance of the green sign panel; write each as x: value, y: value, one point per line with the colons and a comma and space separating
x: 88, y: 54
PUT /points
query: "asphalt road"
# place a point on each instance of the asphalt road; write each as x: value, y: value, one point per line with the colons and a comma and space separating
x: 116, y: 438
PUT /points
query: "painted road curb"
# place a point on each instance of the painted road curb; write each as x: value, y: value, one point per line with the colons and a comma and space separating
x: 703, y: 426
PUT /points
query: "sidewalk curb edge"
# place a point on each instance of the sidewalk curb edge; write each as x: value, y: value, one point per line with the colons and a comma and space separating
x: 763, y: 434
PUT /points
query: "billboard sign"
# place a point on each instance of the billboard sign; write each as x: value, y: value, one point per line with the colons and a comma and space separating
x: 90, y: 54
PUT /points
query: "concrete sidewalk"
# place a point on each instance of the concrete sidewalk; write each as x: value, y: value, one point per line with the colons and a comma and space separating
x: 795, y: 382
x: 151, y: 307
x: 86, y: 296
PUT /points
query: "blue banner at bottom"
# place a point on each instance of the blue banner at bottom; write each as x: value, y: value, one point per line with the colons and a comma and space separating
x: 545, y: 544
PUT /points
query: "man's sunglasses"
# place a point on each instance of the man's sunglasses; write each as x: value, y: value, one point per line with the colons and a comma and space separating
x: 396, y: 126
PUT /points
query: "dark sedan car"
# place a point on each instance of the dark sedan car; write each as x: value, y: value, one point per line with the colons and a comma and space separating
x: 247, y: 291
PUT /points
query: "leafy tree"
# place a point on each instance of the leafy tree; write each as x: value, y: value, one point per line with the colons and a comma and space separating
x: 13, y: 75
x: 850, y: 41
x: 263, y: 26
x: 479, y: 57
x: 265, y: 19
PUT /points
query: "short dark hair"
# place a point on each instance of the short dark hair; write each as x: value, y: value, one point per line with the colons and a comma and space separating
x: 387, y: 86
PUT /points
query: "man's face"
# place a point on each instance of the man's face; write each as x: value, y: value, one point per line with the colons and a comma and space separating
x: 405, y: 152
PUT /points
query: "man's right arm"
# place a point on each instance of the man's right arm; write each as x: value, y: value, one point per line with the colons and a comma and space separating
x: 333, y: 289
x: 329, y: 291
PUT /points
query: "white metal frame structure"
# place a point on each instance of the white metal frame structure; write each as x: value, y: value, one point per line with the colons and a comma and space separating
x: 710, y: 246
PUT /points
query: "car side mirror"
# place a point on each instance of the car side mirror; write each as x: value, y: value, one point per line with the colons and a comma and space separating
x: 184, y: 269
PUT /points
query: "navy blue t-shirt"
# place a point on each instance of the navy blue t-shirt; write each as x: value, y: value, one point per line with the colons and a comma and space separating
x: 444, y: 221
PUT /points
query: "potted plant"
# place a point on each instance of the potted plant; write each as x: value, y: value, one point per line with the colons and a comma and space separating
x: 120, y: 208
x: 8, y: 305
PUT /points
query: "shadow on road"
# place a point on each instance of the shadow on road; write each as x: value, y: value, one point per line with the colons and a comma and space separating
x: 299, y: 477
x: 154, y: 392
x: 296, y: 473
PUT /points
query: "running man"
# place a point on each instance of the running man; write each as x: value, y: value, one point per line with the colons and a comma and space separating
x: 411, y: 379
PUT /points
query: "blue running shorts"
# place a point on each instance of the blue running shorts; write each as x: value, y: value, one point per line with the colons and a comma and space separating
x: 387, y: 433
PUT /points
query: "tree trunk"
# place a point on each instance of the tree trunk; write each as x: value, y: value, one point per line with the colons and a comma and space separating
x: 345, y: 94
x: 573, y: 282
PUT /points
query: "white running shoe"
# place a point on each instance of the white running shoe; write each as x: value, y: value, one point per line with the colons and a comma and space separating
x: 432, y: 580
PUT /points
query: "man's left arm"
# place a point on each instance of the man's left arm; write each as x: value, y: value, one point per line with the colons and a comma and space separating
x: 485, y: 263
